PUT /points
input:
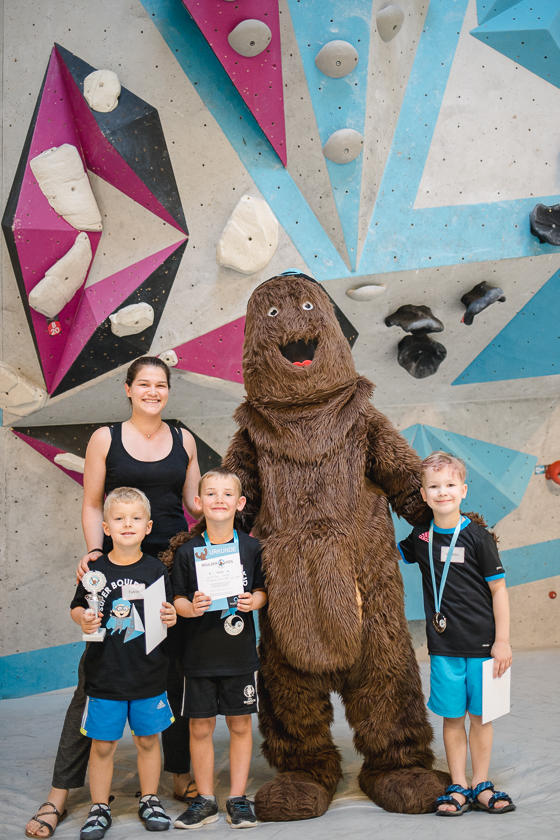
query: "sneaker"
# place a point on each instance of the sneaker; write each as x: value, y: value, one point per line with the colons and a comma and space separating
x: 97, y: 823
x: 152, y: 814
x: 200, y: 812
x: 240, y: 812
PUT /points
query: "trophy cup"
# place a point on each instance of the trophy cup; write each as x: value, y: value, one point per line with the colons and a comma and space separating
x: 94, y: 582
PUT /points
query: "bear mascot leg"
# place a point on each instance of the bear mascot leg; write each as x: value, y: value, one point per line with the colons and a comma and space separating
x: 320, y: 468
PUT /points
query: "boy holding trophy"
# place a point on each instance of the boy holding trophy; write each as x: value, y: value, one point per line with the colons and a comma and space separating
x: 122, y: 681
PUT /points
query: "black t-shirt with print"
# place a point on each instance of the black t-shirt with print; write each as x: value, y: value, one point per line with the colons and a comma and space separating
x: 118, y: 668
x: 210, y: 651
x: 467, y: 601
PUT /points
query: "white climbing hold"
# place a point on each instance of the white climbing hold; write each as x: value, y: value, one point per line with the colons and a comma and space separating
x: 366, y: 292
x: 250, y: 237
x: 132, y: 319
x: 336, y: 59
x: 250, y: 37
x: 17, y: 394
x: 343, y: 146
x: 64, y: 182
x: 389, y: 21
x: 169, y: 357
x: 63, y: 279
x: 102, y: 90
x: 70, y: 462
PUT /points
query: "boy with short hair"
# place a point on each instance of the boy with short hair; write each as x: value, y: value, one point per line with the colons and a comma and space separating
x: 121, y: 680
x: 220, y: 652
x: 467, y: 622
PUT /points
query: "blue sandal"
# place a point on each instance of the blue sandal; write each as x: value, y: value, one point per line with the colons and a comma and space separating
x: 447, y: 799
x: 497, y: 797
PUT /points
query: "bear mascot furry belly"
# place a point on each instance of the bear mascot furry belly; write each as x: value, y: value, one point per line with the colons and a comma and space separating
x: 320, y: 468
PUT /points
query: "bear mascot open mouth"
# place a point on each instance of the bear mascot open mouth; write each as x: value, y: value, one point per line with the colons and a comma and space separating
x: 321, y: 468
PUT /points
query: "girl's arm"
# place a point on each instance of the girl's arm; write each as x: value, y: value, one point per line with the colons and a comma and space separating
x: 94, y: 492
x: 190, y: 489
x: 194, y: 608
x: 501, y: 650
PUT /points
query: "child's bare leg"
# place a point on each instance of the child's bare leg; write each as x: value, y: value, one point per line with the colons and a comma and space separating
x: 58, y: 797
x: 481, y: 736
x: 455, y: 742
x: 149, y: 762
x: 101, y: 770
x: 240, y: 749
x: 202, y: 754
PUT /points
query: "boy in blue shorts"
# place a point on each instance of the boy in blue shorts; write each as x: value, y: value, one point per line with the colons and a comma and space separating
x: 220, y: 661
x: 121, y: 680
x: 467, y: 622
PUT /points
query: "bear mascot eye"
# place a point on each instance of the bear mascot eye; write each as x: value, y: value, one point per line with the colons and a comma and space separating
x: 307, y: 305
x: 273, y: 312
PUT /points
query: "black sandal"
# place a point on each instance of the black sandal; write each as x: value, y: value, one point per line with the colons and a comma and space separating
x: 43, y: 824
x: 496, y: 797
x: 188, y: 795
x: 447, y: 799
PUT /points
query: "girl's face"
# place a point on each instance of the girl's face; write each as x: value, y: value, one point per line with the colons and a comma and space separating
x: 149, y: 391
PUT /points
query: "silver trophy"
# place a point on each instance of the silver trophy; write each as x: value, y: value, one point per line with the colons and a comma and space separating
x: 94, y: 583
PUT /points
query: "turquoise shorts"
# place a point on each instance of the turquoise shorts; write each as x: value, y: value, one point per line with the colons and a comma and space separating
x: 455, y: 686
x: 104, y: 720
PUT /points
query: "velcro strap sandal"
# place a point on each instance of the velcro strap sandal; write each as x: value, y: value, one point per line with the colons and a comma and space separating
x: 150, y: 811
x: 97, y: 823
x: 447, y: 799
x: 497, y: 796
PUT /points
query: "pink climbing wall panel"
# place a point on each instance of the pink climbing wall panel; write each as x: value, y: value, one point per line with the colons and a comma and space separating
x: 48, y: 451
x: 259, y: 78
x: 218, y: 353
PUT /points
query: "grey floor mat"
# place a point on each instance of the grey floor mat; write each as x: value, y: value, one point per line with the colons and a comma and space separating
x: 525, y: 763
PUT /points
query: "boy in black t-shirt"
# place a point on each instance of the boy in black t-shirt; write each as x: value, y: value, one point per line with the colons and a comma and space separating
x: 121, y: 680
x: 220, y: 651
x: 467, y: 622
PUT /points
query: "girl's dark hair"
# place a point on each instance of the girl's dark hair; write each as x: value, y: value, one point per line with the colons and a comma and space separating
x: 146, y: 361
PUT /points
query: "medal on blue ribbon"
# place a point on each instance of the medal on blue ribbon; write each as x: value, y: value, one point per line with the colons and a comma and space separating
x: 439, y: 621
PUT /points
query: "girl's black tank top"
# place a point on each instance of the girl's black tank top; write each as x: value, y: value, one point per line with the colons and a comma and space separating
x: 162, y: 482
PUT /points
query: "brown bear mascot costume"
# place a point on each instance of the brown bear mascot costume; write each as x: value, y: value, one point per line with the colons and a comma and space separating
x: 320, y: 468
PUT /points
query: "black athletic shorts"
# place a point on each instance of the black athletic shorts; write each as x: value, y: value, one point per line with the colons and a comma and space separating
x: 205, y: 697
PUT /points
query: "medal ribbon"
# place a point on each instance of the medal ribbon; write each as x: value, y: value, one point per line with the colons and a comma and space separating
x: 438, y: 596
x: 231, y: 610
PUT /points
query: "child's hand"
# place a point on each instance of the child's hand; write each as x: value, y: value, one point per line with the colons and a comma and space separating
x: 201, y: 603
x: 501, y: 651
x: 168, y: 614
x: 89, y: 622
x: 245, y: 602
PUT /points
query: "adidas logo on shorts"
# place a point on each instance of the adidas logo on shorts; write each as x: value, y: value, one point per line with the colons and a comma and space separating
x: 160, y: 705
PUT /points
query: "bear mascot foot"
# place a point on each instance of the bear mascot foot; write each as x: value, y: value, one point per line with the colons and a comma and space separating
x: 411, y: 790
x: 291, y: 796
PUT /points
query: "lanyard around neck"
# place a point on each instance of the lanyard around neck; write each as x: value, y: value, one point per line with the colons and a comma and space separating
x: 217, y: 545
x: 438, y: 596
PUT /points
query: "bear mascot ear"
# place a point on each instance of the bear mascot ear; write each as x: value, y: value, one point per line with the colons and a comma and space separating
x: 321, y: 469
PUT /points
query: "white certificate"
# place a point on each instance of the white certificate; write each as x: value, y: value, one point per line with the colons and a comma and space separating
x: 219, y: 572
x: 495, y: 692
x: 156, y: 630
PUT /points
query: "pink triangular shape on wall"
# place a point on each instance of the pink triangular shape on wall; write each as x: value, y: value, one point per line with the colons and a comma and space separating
x: 218, y: 353
x: 49, y: 451
x: 259, y: 78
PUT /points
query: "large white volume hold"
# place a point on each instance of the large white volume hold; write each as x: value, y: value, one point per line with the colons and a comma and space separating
x: 102, y: 90
x: 63, y: 279
x: 64, y: 182
x: 250, y: 237
x: 17, y: 394
x: 70, y: 462
x: 366, y: 292
x: 132, y: 319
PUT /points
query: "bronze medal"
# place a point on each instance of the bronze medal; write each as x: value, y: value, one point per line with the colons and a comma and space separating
x: 439, y: 621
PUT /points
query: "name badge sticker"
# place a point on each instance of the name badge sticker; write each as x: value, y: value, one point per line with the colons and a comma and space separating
x: 458, y: 555
x: 133, y: 591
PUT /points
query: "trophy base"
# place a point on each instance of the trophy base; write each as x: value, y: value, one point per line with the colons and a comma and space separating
x: 95, y: 637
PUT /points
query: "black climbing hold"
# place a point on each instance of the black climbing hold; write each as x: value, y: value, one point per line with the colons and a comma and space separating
x: 418, y: 320
x: 480, y: 297
x: 545, y: 223
x: 420, y: 355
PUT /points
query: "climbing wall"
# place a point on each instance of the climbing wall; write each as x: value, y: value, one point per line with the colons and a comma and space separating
x: 393, y: 151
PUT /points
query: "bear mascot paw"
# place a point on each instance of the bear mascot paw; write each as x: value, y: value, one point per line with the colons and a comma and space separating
x: 321, y: 469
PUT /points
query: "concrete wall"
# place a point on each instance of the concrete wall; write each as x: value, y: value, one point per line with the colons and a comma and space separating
x: 459, y: 144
